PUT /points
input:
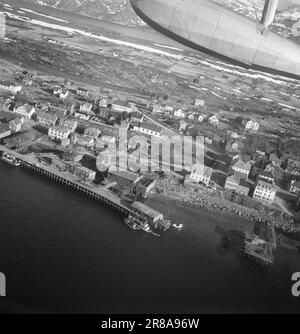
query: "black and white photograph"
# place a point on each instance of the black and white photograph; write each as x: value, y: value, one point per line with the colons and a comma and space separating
x: 149, y: 159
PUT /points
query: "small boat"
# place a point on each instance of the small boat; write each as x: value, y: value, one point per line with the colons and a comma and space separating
x: 130, y: 222
x: 178, y: 226
x: 10, y: 159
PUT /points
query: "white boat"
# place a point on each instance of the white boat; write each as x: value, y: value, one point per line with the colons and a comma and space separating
x: 10, y: 159
x: 131, y: 223
x: 178, y: 226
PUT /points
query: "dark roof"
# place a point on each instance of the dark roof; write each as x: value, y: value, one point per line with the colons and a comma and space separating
x: 131, y: 176
x: 146, y: 210
x: 150, y: 127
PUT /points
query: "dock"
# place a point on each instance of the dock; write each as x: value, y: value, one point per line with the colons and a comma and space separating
x: 95, y: 192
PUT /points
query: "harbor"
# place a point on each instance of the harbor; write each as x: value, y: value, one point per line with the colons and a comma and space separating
x: 148, y: 219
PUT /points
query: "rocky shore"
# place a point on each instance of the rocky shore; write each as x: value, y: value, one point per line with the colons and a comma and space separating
x: 213, y: 201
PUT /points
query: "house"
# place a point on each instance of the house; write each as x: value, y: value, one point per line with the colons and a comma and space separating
x: 92, y: 132
x: 146, y: 212
x: 275, y: 160
x: 242, y: 169
x: 199, y: 102
x: 86, y: 108
x: 69, y: 84
x: 84, y: 141
x: 266, y: 176
x: 293, y: 167
x: 158, y: 108
x: 80, y: 171
x: 214, y: 120
x: 201, y: 118
x: 264, y: 192
x: 201, y: 173
x: 143, y: 187
x: 122, y: 106
x: 238, y: 185
x: 252, y: 125
x: 46, y: 119
x: 103, y: 114
x: 137, y: 117
x: 5, y: 131
x: 15, y: 125
x: 59, y: 132
x: 10, y: 86
x: 68, y: 123
x: 180, y: 113
x: 208, y: 140
x: 25, y: 110
x: 123, y: 178
x: 82, y: 92
x: 183, y: 126
x: 103, y: 103
x: 64, y: 93
x: 82, y: 116
x: 61, y: 110
x: 149, y: 129
x: 295, y: 187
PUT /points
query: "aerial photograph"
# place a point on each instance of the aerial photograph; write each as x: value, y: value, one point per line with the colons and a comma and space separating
x: 149, y: 158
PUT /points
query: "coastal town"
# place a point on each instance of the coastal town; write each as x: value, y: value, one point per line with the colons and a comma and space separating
x: 58, y: 124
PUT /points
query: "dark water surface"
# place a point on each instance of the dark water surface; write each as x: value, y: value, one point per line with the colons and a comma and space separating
x: 62, y: 251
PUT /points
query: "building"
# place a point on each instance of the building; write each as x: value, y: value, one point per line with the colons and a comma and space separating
x: 201, y: 173
x: 68, y: 123
x: 92, y: 132
x: 122, y: 106
x: 86, y: 108
x: 12, y: 87
x: 137, y: 117
x: 201, y: 118
x: 293, y: 167
x: 80, y: 171
x: 64, y: 93
x: 84, y: 141
x: 264, y: 192
x: 238, y: 185
x: 69, y: 84
x: 151, y: 215
x: 15, y: 125
x: 82, y: 92
x: 242, y: 169
x: 59, y: 132
x: 266, y: 176
x: 295, y: 187
x: 199, y: 102
x: 148, y: 129
x: 208, y: 141
x: 252, y: 125
x: 214, y: 120
x: 83, y: 116
x: 4, y: 131
x: 46, y: 119
x: 179, y: 113
x: 103, y: 103
x: 143, y: 187
x: 25, y: 110
x: 123, y: 177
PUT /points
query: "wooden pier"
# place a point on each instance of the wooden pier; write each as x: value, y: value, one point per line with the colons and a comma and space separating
x: 98, y: 193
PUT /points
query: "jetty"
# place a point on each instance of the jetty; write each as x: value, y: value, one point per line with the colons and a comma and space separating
x: 99, y: 193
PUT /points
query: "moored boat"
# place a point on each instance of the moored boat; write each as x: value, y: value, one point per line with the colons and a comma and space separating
x: 10, y: 159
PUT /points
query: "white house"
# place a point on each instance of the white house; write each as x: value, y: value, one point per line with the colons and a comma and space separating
x: 252, y: 125
x: 46, y: 119
x: 214, y: 120
x: 82, y: 116
x: 25, y: 110
x: 148, y: 129
x: 199, y: 102
x: 264, y: 192
x: 6, y: 85
x: 242, y: 169
x: 59, y: 132
x: 201, y: 173
x: 64, y: 93
x: 86, y: 108
x: 179, y: 113
x: 122, y: 106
